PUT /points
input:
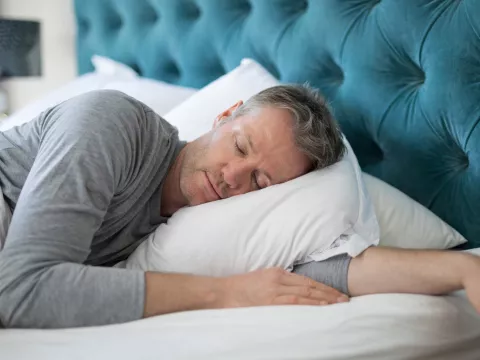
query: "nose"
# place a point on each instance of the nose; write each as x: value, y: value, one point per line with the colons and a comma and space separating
x: 238, y: 177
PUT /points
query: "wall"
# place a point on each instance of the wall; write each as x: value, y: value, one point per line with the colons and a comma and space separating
x: 58, y: 47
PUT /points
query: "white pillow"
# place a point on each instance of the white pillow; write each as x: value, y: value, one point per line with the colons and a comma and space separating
x: 80, y: 85
x: 88, y: 82
x: 108, y: 74
x: 196, y: 115
x: 158, y: 95
x: 405, y: 223
x: 109, y: 67
x: 314, y: 217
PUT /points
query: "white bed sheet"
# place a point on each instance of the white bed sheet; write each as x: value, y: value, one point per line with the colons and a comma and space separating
x: 370, y: 327
x: 392, y: 326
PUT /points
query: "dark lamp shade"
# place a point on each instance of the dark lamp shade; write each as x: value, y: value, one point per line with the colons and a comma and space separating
x: 20, y: 53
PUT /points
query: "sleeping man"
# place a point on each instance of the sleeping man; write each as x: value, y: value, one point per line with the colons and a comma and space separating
x: 88, y: 179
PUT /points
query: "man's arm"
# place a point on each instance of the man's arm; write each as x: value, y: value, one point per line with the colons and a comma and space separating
x: 43, y: 282
x: 388, y: 270
x: 332, y: 272
x: 430, y: 272
x: 168, y: 293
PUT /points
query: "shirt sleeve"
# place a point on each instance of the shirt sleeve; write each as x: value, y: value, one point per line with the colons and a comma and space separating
x: 78, y: 169
x: 332, y: 272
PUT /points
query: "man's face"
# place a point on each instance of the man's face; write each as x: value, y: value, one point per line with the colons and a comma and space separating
x: 237, y: 156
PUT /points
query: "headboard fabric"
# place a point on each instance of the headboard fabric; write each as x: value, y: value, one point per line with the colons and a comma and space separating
x: 403, y: 77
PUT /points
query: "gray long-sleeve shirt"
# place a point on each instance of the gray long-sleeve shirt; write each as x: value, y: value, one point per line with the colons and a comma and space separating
x: 84, y: 181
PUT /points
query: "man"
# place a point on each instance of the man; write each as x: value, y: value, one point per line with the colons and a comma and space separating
x: 89, y: 178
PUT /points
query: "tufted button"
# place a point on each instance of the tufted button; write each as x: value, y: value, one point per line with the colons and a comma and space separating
x: 149, y: 13
x: 152, y: 17
x: 337, y: 74
x: 244, y: 6
x: 465, y: 161
x: 457, y: 161
x: 302, y: 5
x: 191, y: 11
x: 172, y: 71
x: 332, y: 72
x: 408, y: 71
x: 417, y: 75
x: 115, y: 21
x: 83, y: 25
x: 294, y: 8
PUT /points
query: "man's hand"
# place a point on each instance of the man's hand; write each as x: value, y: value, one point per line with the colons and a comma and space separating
x: 167, y: 293
x: 276, y: 286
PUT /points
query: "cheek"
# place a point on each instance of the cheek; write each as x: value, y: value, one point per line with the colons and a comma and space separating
x: 192, y: 188
x: 219, y: 153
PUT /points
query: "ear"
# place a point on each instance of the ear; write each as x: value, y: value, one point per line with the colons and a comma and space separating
x: 226, y: 113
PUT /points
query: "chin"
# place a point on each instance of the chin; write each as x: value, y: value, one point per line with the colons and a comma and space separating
x: 195, y: 195
x: 197, y: 201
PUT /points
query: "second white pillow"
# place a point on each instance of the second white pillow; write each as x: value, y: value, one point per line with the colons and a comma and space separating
x: 160, y: 96
x: 405, y: 223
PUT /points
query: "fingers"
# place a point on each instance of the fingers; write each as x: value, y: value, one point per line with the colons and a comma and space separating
x: 296, y: 300
x: 290, y: 279
x: 326, y: 296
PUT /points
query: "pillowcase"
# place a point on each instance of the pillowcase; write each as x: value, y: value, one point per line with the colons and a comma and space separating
x: 314, y: 217
x: 196, y: 115
x: 160, y: 96
x: 405, y: 223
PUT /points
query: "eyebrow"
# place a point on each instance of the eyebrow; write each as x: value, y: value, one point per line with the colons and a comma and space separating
x: 250, y: 142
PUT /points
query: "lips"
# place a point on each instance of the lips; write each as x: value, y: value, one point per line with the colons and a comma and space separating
x: 211, y: 188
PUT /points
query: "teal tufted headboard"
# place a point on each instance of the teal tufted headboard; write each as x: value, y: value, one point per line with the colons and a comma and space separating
x: 403, y: 76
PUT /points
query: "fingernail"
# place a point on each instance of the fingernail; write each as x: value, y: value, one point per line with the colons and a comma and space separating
x: 323, y: 303
x: 343, y: 298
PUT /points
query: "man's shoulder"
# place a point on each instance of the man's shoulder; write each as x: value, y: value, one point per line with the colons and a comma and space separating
x: 112, y: 118
x: 106, y: 101
x: 110, y: 111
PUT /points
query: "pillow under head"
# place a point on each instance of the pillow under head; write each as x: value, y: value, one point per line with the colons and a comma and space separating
x: 316, y: 216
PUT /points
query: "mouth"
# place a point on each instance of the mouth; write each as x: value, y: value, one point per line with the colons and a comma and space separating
x: 213, y: 187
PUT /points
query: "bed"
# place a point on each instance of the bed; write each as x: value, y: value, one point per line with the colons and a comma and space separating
x: 403, y: 78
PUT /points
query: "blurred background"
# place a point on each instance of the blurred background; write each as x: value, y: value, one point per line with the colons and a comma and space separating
x: 48, y: 33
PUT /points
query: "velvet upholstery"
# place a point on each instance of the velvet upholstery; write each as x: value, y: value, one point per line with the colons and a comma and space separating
x: 403, y: 76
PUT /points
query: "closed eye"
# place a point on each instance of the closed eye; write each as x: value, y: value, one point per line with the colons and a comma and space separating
x: 239, y: 150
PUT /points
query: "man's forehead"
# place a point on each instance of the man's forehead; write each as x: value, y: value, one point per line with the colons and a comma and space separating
x: 266, y: 124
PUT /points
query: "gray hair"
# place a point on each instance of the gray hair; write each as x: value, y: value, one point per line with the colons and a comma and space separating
x: 316, y: 132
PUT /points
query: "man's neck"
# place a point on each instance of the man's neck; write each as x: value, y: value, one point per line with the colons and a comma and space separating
x: 172, y: 197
